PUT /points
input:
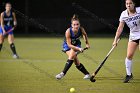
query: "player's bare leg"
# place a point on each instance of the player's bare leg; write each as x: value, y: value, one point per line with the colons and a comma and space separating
x: 132, y: 46
x: 81, y: 68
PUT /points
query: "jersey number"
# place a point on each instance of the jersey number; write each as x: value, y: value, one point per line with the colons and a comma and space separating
x: 73, y: 42
x: 135, y: 23
x: 8, y: 23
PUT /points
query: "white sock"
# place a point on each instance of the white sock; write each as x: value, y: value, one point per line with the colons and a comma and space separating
x: 128, y: 64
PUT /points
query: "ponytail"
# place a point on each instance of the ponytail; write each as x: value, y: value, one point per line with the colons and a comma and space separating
x: 75, y: 17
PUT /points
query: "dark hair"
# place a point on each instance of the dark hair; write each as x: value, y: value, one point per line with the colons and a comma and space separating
x: 75, y: 17
x: 136, y: 2
x: 8, y: 3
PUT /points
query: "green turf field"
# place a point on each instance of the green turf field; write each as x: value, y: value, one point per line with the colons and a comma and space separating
x: 41, y: 59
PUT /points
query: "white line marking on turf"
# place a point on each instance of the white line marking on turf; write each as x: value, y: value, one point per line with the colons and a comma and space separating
x: 29, y: 60
x: 50, y: 60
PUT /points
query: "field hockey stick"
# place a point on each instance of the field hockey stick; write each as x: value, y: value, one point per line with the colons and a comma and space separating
x: 76, y: 52
x: 102, y: 63
x: 10, y: 30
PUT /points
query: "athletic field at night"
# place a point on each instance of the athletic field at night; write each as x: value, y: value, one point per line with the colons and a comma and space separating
x: 41, y: 59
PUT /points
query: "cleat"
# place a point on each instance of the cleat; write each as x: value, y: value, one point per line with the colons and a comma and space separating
x: 15, y: 56
x: 127, y: 78
x: 87, y: 76
x: 59, y: 76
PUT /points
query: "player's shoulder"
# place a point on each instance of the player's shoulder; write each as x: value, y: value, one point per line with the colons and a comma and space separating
x: 138, y: 9
x: 13, y: 13
x: 82, y: 28
x: 67, y: 31
x: 2, y: 13
x: 124, y: 13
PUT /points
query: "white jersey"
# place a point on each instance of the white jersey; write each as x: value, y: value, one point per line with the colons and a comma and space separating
x: 133, y: 22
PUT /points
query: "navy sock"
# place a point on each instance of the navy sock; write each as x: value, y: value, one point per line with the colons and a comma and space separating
x: 12, y: 46
x: 67, y: 66
x: 1, y: 46
x: 82, y: 69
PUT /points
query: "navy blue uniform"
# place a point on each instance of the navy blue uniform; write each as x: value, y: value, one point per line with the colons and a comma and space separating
x: 8, y: 23
x: 75, y: 40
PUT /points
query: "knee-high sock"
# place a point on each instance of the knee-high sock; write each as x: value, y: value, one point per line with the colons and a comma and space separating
x: 82, y: 69
x: 12, y: 46
x: 0, y: 47
x: 67, y: 66
x: 128, y: 64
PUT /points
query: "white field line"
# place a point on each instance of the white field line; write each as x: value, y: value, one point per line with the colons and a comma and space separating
x: 53, y: 60
x: 29, y: 60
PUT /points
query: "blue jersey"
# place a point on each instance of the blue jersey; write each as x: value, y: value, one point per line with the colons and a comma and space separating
x: 8, y: 23
x: 75, y: 40
x: 8, y: 20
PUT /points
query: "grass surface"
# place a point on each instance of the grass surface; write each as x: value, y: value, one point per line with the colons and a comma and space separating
x: 41, y: 59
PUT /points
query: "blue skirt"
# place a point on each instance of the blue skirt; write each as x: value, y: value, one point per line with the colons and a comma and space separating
x: 6, y: 29
x: 66, y: 47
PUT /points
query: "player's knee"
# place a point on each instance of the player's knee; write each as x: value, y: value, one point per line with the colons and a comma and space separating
x: 130, y: 57
x: 77, y: 63
x: 10, y: 41
x: 1, y: 41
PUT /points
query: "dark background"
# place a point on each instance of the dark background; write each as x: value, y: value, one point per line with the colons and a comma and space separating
x: 55, y: 15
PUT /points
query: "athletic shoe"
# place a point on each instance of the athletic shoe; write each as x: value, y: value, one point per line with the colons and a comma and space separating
x: 87, y: 76
x: 15, y: 56
x: 59, y: 76
x: 127, y: 78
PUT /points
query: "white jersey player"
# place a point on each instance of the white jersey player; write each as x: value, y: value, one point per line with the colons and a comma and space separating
x: 133, y: 22
x: 131, y: 16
